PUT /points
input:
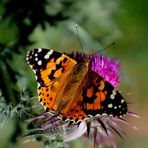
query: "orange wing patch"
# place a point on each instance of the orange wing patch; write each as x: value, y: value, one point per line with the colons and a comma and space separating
x: 75, y: 113
x: 47, y: 98
x: 93, y: 99
x: 90, y: 92
x: 55, y: 69
x: 55, y: 77
x: 94, y: 94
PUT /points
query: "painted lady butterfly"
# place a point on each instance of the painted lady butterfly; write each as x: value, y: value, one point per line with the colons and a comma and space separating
x: 71, y: 89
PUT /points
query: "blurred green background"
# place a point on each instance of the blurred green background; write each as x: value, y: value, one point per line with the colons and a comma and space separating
x: 51, y: 24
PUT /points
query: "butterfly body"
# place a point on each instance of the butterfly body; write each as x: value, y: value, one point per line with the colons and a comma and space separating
x: 71, y: 89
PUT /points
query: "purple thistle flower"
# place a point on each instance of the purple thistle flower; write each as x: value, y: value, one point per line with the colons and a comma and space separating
x: 101, y: 129
x: 107, y: 68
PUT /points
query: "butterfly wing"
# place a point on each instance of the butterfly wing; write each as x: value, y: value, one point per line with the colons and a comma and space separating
x: 52, y: 70
x: 101, y: 98
x: 96, y: 97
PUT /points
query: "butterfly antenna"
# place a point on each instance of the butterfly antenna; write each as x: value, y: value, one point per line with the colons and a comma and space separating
x: 79, y: 40
x: 106, y: 47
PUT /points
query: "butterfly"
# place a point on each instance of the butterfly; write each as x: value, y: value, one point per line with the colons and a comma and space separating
x: 70, y: 89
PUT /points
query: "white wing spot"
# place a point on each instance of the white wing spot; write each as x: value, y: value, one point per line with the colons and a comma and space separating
x: 115, y: 107
x: 36, y: 77
x: 98, y: 115
x: 119, y: 106
x: 110, y: 105
x: 40, y: 62
x: 112, y: 96
x: 34, y: 70
x: 122, y: 101
x: 89, y: 116
x: 114, y: 92
x: 30, y: 57
x: 36, y: 59
x: 48, y: 54
x: 104, y: 114
x: 36, y: 55
x: 38, y: 86
x: 40, y: 49
x: 30, y: 66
